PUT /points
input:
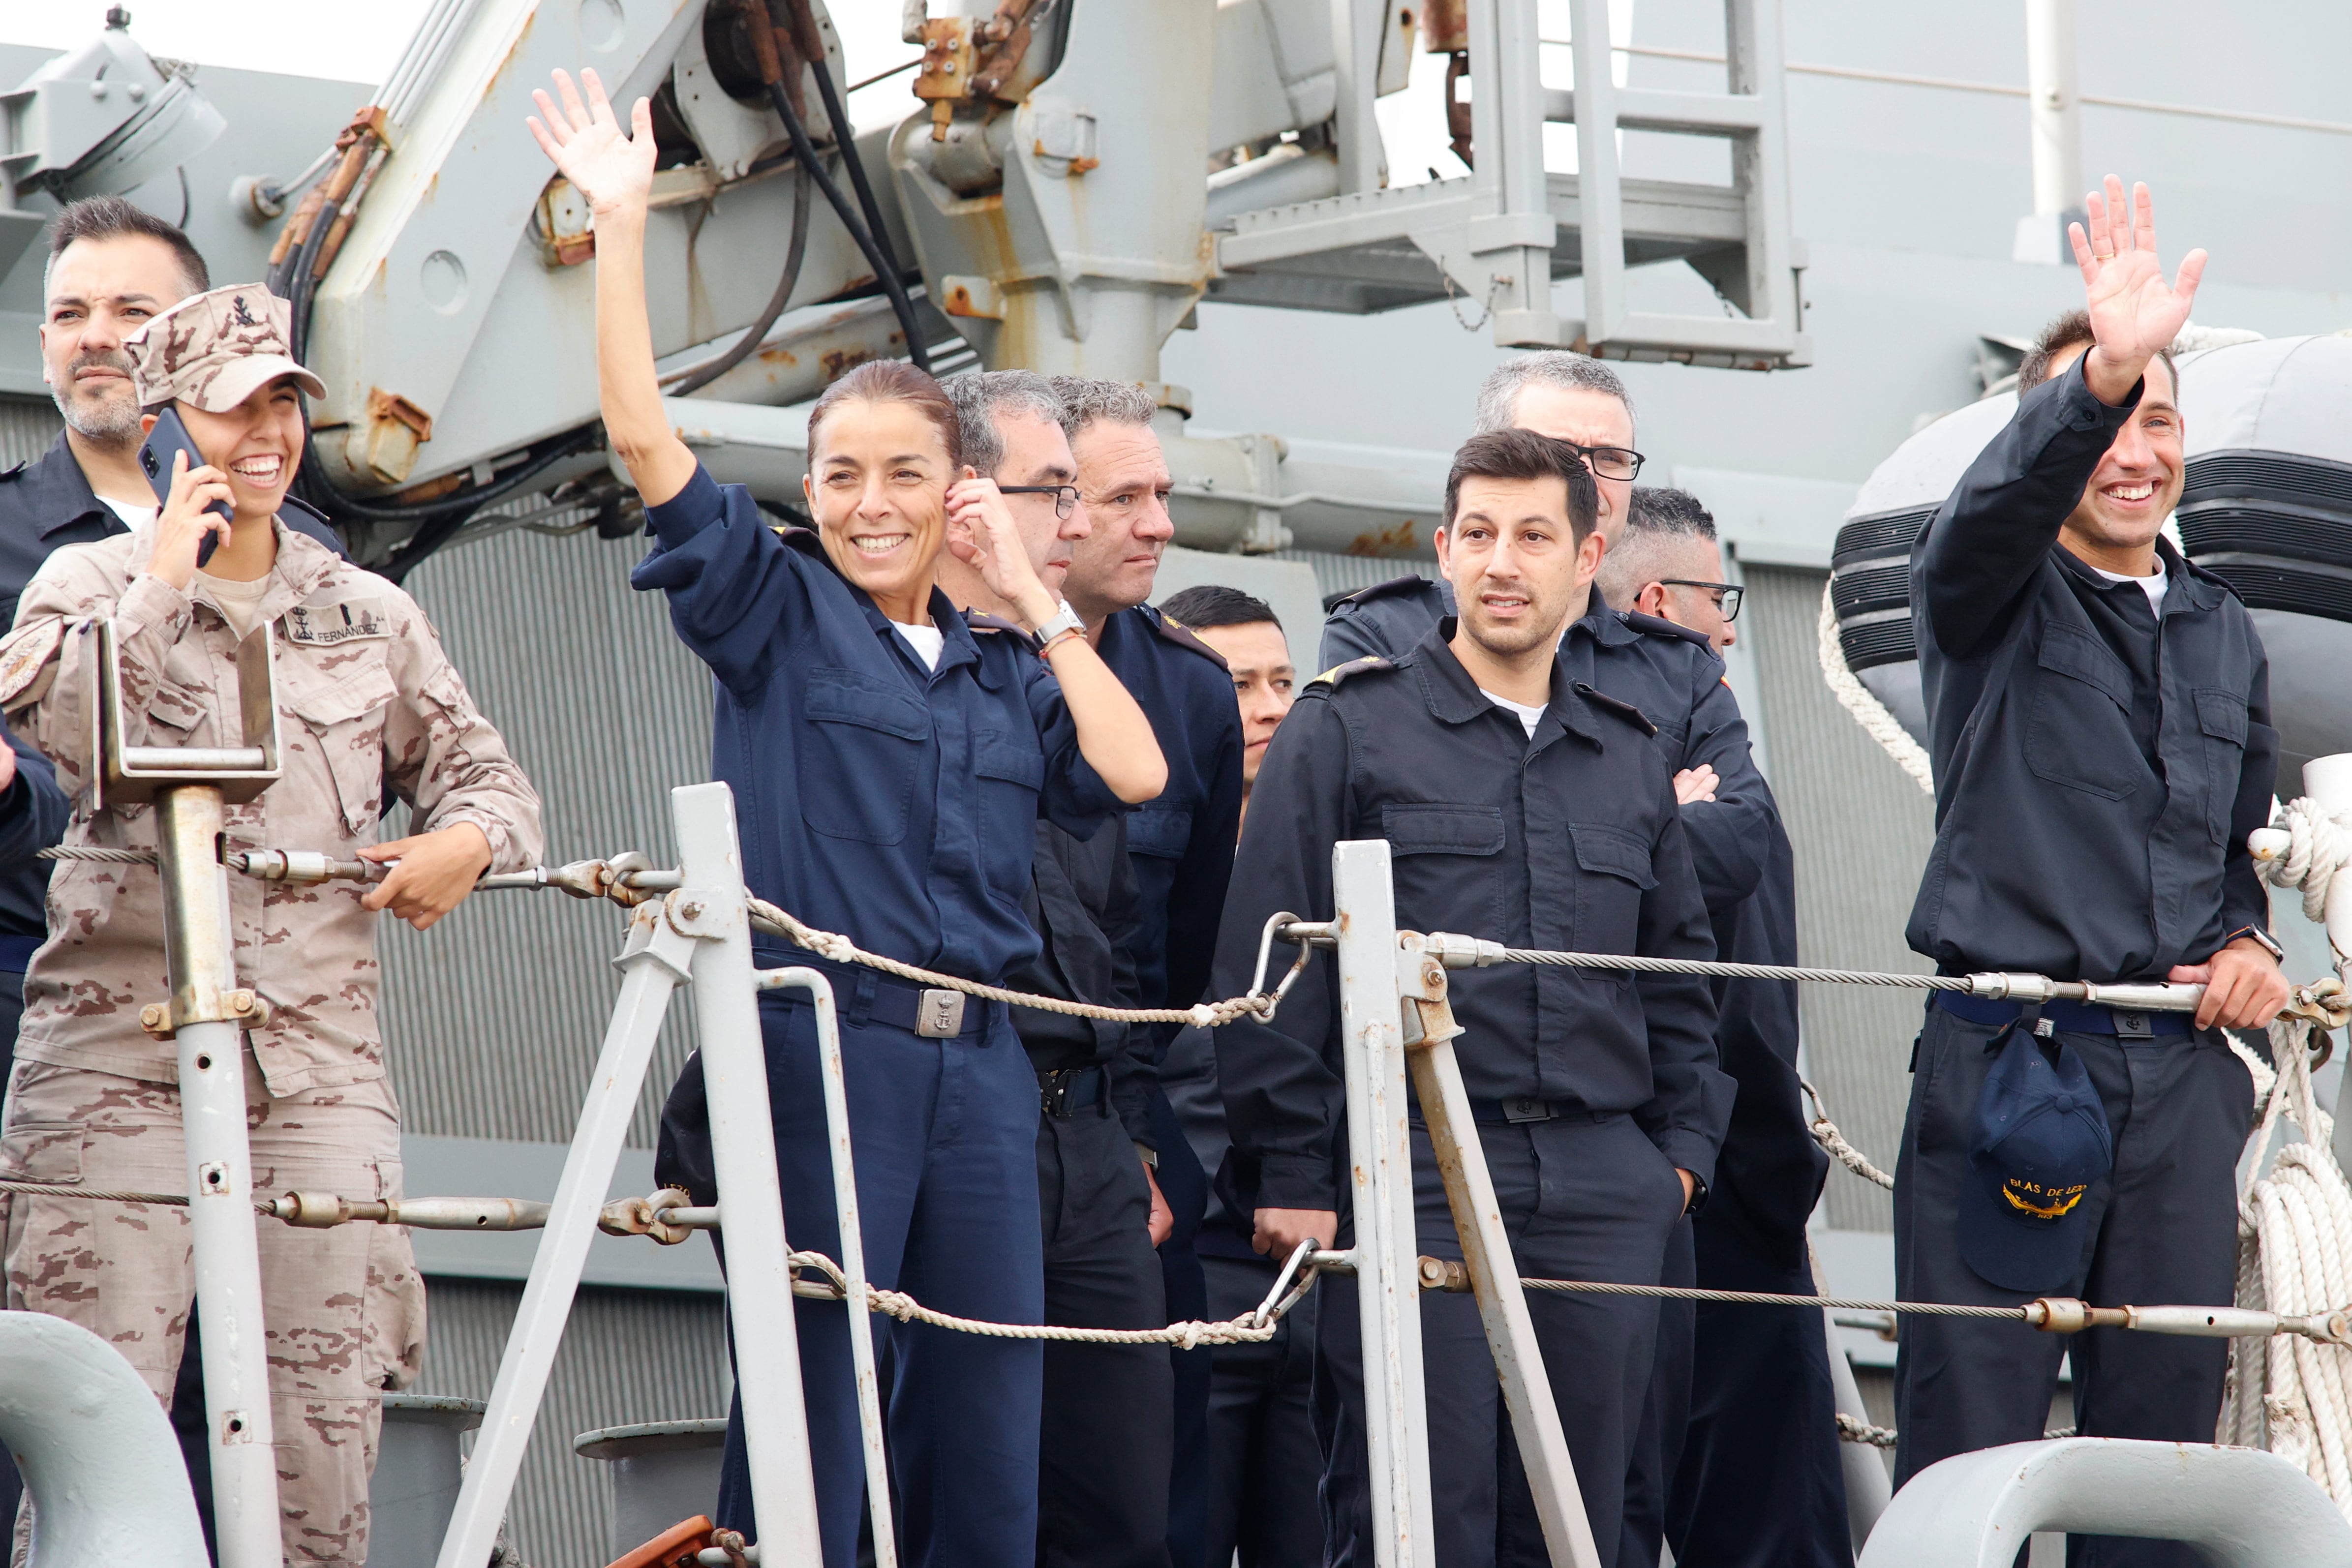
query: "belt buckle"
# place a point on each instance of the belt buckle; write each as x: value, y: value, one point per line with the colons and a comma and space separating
x: 1525, y: 1108
x: 2131, y: 1024
x: 939, y: 1014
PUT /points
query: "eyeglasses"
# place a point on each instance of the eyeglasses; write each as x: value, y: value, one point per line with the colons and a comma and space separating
x: 1610, y: 462
x: 1726, y: 594
x: 1066, y: 497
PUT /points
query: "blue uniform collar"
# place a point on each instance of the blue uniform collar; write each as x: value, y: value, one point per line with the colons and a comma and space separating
x: 2189, y: 587
x: 56, y: 491
x: 957, y: 646
x: 1454, y: 697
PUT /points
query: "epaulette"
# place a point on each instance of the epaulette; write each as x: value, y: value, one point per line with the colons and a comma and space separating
x: 14, y: 469
x: 1623, y: 710
x: 1176, y: 631
x: 1412, y: 583
x: 1658, y: 626
x: 981, y: 620
x: 1338, y: 673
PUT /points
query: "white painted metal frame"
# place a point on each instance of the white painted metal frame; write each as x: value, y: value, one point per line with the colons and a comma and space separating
x: 700, y: 933
x: 1388, y: 1279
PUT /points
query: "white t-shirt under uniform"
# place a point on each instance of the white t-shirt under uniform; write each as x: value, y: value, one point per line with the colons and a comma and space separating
x: 928, y: 641
x: 2153, y: 587
x: 1529, y: 713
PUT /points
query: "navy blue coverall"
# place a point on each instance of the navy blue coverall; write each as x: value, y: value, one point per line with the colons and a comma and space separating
x: 1182, y: 845
x: 1737, y: 1463
x: 897, y: 805
x: 2098, y: 766
x: 1591, y: 1089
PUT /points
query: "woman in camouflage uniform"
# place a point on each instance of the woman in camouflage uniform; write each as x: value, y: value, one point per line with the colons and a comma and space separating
x: 367, y: 700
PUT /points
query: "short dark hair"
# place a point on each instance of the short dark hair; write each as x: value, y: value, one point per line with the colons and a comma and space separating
x: 113, y: 217
x: 2073, y: 330
x: 1661, y: 509
x: 1208, y: 604
x: 1524, y: 454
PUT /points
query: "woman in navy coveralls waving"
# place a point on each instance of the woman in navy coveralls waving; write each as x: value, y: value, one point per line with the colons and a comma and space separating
x: 889, y: 768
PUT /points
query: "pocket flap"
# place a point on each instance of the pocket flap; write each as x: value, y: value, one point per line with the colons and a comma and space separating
x: 1165, y: 831
x: 1613, y: 851
x: 45, y: 1151
x: 845, y: 696
x: 2222, y: 714
x: 1438, y: 830
x: 1017, y: 764
x: 2078, y: 655
x: 362, y: 691
x: 177, y: 706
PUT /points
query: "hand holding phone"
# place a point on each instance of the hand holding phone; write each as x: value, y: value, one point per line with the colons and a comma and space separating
x: 167, y: 453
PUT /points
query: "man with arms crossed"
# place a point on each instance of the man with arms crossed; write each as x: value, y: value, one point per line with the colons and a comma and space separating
x: 2099, y: 715
x: 1522, y: 806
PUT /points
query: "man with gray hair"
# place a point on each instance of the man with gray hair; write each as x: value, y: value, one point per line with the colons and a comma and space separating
x: 1107, y: 1429
x: 1567, y: 396
x: 1666, y: 563
x: 1181, y: 844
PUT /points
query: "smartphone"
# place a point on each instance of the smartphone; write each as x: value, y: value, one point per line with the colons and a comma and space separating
x: 155, y: 461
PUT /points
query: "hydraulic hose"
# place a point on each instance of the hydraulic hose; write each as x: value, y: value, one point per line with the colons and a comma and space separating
x: 886, y: 269
x: 845, y: 134
x: 796, y: 252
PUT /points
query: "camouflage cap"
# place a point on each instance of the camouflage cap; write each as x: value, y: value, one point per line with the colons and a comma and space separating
x: 214, y: 349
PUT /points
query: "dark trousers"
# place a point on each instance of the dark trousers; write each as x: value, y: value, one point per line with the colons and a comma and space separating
x: 1185, y: 1186
x: 2163, y: 1230
x: 1264, y: 1466
x: 12, y: 1013
x: 945, y: 1133
x: 1102, y: 1465
x: 1665, y: 1411
x: 1583, y: 1198
x: 1760, y: 1483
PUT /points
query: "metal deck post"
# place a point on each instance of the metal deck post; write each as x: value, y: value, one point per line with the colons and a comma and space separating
x: 1388, y: 1287
x: 1502, y: 1301
x: 199, y: 956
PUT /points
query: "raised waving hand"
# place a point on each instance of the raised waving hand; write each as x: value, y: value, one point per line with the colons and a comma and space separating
x: 2134, y: 312
x: 613, y: 168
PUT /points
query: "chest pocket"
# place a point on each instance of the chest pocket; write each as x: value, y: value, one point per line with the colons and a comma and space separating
x: 1012, y: 773
x: 1612, y: 873
x: 2222, y: 720
x: 345, y: 717
x: 1162, y: 831
x: 1448, y: 864
x: 859, y: 757
x: 2080, y: 732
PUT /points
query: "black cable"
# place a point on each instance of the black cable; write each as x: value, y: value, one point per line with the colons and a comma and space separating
x: 885, y: 269
x: 845, y: 137
x: 794, y: 253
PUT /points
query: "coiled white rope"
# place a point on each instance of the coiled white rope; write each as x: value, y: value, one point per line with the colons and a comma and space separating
x: 1868, y: 711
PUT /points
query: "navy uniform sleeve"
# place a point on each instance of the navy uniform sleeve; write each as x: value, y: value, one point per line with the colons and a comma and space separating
x: 1970, y: 569
x: 1729, y: 835
x: 1134, y: 1069
x: 1196, y: 899
x: 2244, y: 901
x: 732, y: 582
x: 1690, y: 1103
x: 1074, y: 799
x: 33, y: 809
x: 1280, y: 1081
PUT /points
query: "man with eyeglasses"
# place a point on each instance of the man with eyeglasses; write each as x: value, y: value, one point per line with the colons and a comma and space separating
x: 1181, y: 844
x: 1758, y: 1479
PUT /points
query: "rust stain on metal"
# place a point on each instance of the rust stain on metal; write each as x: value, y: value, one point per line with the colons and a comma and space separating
x: 1404, y: 538
x: 779, y: 356
x: 839, y: 362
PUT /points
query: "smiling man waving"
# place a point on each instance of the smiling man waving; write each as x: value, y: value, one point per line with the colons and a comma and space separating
x: 2099, y: 715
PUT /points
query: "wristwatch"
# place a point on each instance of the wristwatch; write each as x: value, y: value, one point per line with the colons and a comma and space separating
x: 2262, y: 938
x: 1698, y: 1195
x: 1065, y: 622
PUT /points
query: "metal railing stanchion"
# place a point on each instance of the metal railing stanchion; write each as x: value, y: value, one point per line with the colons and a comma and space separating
x: 711, y: 906
x: 1381, y: 1162
x: 656, y: 961
x: 853, y: 1251
x: 1428, y: 1029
